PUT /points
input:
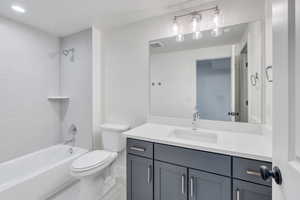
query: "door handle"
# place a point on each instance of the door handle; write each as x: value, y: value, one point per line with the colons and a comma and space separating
x: 266, y: 174
x: 192, y: 187
x: 182, y: 184
x: 237, y: 194
x: 149, y: 174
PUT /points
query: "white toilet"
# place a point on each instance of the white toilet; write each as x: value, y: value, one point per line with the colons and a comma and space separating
x: 93, y: 167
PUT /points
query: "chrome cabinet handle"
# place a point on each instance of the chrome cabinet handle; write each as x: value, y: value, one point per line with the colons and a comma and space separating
x: 192, y: 186
x: 182, y: 184
x: 138, y: 149
x: 253, y: 173
x: 237, y: 194
x: 149, y: 175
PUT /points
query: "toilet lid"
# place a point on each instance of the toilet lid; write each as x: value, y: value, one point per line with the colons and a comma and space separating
x: 91, y: 160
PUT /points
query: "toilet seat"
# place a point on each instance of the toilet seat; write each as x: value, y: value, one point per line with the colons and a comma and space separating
x: 91, y: 160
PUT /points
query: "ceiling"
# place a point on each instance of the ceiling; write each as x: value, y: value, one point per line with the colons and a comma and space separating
x: 63, y: 17
x: 231, y: 35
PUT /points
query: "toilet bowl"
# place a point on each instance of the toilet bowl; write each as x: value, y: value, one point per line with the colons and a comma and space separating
x: 94, y: 167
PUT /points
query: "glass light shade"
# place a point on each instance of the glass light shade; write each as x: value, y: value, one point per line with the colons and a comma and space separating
x: 216, y: 32
x: 180, y: 38
x: 197, y: 35
x: 175, y: 27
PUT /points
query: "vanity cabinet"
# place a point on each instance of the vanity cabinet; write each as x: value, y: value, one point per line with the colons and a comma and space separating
x: 139, y: 178
x: 164, y: 172
x: 170, y: 182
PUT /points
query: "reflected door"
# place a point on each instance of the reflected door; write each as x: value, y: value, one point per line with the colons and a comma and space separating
x: 214, y: 89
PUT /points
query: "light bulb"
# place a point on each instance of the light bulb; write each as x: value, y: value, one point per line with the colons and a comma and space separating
x: 217, y: 18
x: 195, y: 27
x: 179, y: 38
x: 216, y: 32
x: 175, y: 27
x: 197, y: 35
x: 194, y: 24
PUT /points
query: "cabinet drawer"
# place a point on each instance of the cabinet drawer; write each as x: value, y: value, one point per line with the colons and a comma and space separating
x: 210, y: 162
x: 139, y: 147
x: 248, y: 170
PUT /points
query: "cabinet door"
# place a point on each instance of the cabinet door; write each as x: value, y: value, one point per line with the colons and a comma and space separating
x: 139, y: 178
x: 243, y: 190
x: 206, y: 186
x: 170, y: 182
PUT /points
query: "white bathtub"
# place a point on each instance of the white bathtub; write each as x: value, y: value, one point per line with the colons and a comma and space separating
x: 38, y: 175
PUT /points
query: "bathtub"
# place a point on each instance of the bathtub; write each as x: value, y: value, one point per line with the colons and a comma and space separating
x: 38, y: 175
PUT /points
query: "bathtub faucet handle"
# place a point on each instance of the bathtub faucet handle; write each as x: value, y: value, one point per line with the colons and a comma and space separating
x: 73, y: 129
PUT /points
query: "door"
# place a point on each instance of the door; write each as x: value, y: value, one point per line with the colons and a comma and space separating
x: 243, y: 190
x: 286, y: 97
x: 139, y: 178
x: 214, y: 89
x: 170, y: 182
x: 206, y: 186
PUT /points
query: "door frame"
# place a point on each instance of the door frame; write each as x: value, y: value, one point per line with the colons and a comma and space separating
x: 284, y: 98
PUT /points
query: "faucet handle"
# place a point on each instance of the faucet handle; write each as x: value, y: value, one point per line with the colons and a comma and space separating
x: 73, y: 129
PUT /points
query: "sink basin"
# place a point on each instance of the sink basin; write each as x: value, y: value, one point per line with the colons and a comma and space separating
x: 193, y: 136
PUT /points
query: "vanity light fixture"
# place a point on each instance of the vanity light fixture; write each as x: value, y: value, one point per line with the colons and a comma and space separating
x: 196, y: 20
x: 177, y: 29
x: 175, y: 26
x: 217, y: 31
x: 18, y: 8
x: 196, y: 27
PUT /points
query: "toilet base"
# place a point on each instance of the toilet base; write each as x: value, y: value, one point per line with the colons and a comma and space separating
x: 95, y: 187
x: 88, y: 189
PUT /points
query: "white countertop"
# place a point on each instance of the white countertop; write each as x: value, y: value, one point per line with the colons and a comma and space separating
x: 246, y: 145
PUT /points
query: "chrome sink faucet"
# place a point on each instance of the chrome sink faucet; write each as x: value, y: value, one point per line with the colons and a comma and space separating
x: 196, y: 116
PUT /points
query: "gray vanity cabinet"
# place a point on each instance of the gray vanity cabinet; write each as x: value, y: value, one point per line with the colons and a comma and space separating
x: 163, y: 172
x: 243, y: 190
x: 207, y: 186
x: 170, y: 182
x: 139, y: 178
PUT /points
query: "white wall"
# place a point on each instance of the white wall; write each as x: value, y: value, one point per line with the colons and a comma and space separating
x: 29, y: 73
x: 177, y: 73
x: 77, y: 83
x: 126, y: 59
x: 255, y: 60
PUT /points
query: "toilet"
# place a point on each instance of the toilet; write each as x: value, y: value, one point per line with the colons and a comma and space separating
x: 94, y: 167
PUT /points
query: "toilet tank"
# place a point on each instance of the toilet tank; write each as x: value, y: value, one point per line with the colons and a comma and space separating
x: 112, y: 137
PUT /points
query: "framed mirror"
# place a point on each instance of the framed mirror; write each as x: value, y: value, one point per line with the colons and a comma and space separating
x: 218, y: 77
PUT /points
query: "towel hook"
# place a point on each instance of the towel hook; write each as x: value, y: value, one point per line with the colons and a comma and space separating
x: 254, y: 78
x: 268, y: 69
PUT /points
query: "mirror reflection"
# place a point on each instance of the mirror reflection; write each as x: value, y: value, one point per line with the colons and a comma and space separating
x: 213, y: 78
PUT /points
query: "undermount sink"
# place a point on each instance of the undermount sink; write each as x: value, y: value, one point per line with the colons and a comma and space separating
x: 194, y: 136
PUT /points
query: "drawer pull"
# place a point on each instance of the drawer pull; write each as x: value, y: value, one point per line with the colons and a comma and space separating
x: 138, y: 149
x: 182, y: 184
x: 253, y: 173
